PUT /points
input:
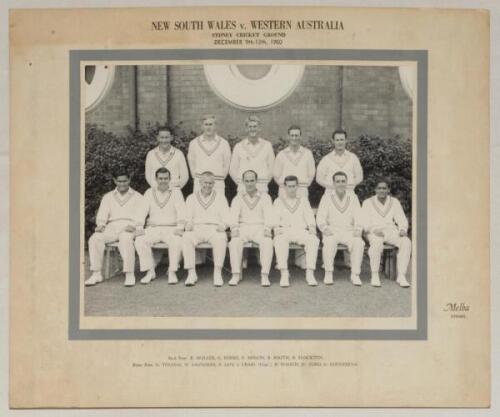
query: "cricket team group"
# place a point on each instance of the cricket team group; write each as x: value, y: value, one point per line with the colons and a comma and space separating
x: 138, y: 222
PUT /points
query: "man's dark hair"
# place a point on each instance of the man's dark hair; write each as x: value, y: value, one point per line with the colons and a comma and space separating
x: 383, y: 181
x: 164, y: 129
x: 120, y: 171
x: 338, y: 132
x: 163, y: 170
x: 339, y: 174
x: 252, y: 171
x: 290, y: 178
x: 294, y: 127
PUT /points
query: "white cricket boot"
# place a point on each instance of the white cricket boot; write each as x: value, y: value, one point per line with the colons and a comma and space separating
x: 191, y: 278
x: 172, y: 277
x: 310, y: 278
x: 234, y: 279
x: 129, y: 279
x: 375, y: 281
x: 401, y: 280
x: 218, y: 281
x: 95, y: 278
x: 264, y: 280
x: 356, y: 280
x: 328, y: 280
x: 150, y: 276
x: 285, y: 278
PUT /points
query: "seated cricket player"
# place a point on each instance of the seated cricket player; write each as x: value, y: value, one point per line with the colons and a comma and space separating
x: 385, y: 221
x: 207, y: 218
x: 115, y: 223
x: 339, y: 219
x: 294, y: 223
x: 251, y: 221
x: 164, y: 209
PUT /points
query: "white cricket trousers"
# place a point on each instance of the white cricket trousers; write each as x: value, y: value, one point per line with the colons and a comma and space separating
x: 251, y: 233
x: 355, y: 245
x: 392, y: 237
x: 114, y: 231
x: 158, y: 234
x: 301, y: 237
x: 201, y: 234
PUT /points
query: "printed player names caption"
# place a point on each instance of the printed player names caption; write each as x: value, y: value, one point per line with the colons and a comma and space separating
x: 244, y: 361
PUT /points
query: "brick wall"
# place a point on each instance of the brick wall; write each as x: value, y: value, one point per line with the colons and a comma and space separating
x: 152, y: 95
x: 313, y: 105
x: 372, y: 102
x: 375, y: 103
x: 116, y: 111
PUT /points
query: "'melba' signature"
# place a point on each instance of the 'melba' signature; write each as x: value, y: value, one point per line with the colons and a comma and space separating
x: 456, y: 307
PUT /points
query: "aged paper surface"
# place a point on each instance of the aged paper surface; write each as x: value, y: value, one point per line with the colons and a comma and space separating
x: 448, y: 367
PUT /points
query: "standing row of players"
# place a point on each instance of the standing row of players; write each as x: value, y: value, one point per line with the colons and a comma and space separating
x: 205, y: 216
x: 211, y: 152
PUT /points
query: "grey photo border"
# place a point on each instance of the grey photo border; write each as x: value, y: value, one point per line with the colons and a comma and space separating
x: 76, y: 56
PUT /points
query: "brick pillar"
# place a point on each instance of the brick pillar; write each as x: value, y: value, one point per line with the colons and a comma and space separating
x: 151, y: 95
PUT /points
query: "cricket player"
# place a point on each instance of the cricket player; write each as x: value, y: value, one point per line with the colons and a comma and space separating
x: 207, y: 218
x: 209, y: 152
x: 115, y: 222
x: 166, y: 156
x: 251, y: 221
x: 165, y: 211
x: 385, y: 221
x: 295, y: 160
x: 339, y: 219
x: 252, y: 153
x: 294, y: 223
x: 339, y: 159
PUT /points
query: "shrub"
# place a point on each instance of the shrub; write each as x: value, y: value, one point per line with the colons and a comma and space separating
x: 380, y: 157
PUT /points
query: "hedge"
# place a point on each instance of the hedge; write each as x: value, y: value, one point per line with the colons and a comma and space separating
x: 380, y: 157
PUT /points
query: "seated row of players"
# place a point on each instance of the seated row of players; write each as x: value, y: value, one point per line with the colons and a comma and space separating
x: 205, y: 217
x: 211, y: 152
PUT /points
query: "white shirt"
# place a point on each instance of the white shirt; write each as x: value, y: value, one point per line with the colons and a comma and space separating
x: 212, y: 210
x: 294, y: 213
x: 258, y: 157
x: 346, y: 162
x: 339, y: 214
x: 256, y: 210
x: 389, y: 215
x: 161, y: 209
x: 209, y: 154
x: 116, y: 206
x: 173, y: 160
x: 300, y: 163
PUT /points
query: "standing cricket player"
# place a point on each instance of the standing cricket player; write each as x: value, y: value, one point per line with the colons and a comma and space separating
x: 295, y: 160
x: 252, y: 153
x: 209, y: 152
x: 165, y: 155
x: 339, y: 159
